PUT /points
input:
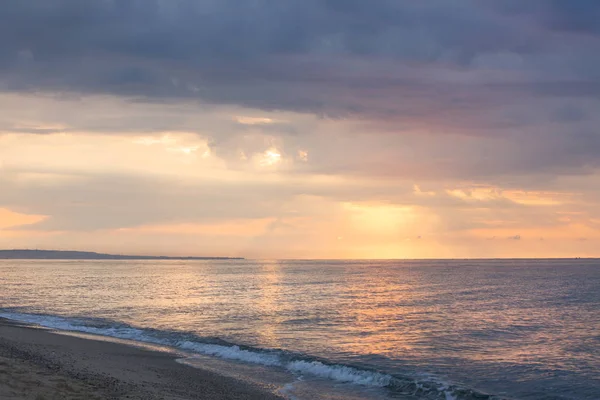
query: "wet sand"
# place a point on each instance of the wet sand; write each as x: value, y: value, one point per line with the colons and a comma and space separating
x: 38, y: 364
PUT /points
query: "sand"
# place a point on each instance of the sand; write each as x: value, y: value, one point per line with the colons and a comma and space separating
x: 38, y: 364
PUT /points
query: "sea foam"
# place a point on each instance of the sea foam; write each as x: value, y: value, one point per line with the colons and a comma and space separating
x: 297, y: 364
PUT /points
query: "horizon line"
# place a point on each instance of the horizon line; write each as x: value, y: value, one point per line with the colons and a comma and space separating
x: 158, y: 257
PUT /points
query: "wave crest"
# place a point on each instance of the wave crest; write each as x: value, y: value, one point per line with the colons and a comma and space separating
x: 428, y: 388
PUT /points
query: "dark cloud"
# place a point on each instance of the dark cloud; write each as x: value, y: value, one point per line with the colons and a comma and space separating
x: 507, y: 71
x: 575, y: 15
x: 578, y: 16
x: 205, y: 30
x: 569, y: 113
x: 264, y: 53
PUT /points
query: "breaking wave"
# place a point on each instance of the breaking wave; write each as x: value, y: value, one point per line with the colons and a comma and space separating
x: 426, y: 388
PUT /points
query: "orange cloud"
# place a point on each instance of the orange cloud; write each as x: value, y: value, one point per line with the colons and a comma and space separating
x: 530, y: 198
x: 10, y: 219
x: 252, y: 227
x: 570, y: 231
x: 536, y: 198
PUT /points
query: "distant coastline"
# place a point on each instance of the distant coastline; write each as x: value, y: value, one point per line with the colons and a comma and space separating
x: 89, y: 255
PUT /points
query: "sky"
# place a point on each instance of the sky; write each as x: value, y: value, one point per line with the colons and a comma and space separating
x: 301, y: 128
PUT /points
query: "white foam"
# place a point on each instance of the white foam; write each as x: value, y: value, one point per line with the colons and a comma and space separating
x: 340, y: 373
x: 75, y: 326
x: 232, y: 353
x: 450, y: 396
x: 337, y: 373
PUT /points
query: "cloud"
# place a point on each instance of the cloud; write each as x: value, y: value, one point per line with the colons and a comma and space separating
x: 11, y: 219
x: 272, y: 55
x: 474, y: 118
x: 520, y: 78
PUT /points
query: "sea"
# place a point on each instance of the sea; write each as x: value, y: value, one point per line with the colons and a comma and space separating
x: 404, y: 329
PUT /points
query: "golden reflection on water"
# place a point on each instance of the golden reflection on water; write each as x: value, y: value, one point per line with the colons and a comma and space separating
x: 439, y: 314
x: 376, y: 330
x: 269, y: 301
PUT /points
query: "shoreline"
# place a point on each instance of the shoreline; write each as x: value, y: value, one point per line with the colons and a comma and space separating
x: 39, y: 364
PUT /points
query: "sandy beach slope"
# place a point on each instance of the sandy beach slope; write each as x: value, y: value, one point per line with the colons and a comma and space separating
x: 37, y: 364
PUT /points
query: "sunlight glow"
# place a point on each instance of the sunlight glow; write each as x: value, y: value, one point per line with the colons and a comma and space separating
x: 302, y: 155
x: 270, y: 158
x: 385, y: 219
x: 417, y: 191
x: 185, y: 150
x: 253, y: 120
x: 151, y: 140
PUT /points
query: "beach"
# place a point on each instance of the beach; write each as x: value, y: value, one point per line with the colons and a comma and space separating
x: 39, y: 364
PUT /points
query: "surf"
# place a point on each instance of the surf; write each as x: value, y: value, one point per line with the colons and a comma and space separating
x: 300, y: 365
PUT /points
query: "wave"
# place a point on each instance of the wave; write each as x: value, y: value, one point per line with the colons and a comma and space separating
x: 426, y: 387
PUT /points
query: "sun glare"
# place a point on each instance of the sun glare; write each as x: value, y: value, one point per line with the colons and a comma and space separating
x: 270, y: 158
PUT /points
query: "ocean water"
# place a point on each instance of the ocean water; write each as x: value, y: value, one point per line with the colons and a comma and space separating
x: 441, y: 329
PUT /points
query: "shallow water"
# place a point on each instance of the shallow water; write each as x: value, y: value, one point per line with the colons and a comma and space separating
x: 525, y: 329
